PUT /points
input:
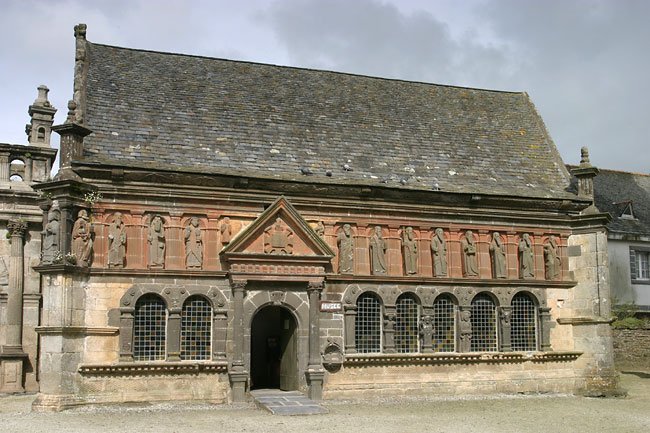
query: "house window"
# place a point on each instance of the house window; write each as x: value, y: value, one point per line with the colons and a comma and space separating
x: 406, y: 325
x: 444, y: 335
x: 367, y: 324
x: 523, y: 323
x: 483, y: 320
x: 196, y: 329
x: 149, y: 329
x: 640, y: 265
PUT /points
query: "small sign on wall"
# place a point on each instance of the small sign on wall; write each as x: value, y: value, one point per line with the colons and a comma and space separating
x: 330, y: 307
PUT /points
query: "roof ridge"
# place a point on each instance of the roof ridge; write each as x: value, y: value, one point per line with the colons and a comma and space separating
x: 302, y: 68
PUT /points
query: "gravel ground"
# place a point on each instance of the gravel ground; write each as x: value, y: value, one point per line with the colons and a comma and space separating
x: 540, y: 413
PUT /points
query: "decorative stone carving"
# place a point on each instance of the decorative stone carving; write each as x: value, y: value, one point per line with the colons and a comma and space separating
x: 465, y: 329
x: 51, y: 244
x: 426, y: 333
x: 377, y: 252
x: 320, y: 229
x: 498, y: 250
x: 278, y: 238
x: 410, y: 251
x: 116, y: 242
x: 82, y: 243
x: 470, y: 262
x: 226, y: 231
x: 439, y: 249
x: 526, y: 257
x: 156, y: 240
x: 332, y: 356
x: 345, y: 242
x: 552, y: 262
x: 193, y: 245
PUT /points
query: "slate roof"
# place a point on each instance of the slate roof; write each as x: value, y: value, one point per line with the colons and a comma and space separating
x: 220, y: 116
x: 614, y: 190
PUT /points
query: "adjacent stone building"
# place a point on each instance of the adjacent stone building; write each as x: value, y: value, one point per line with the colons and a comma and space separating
x: 221, y: 226
x: 626, y: 197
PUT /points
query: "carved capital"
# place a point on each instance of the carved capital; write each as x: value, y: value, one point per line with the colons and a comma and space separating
x: 315, y: 286
x: 238, y: 285
x: 17, y: 228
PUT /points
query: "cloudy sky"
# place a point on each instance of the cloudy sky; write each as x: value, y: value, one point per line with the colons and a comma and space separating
x: 585, y: 63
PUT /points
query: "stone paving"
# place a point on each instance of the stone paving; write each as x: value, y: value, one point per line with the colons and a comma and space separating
x: 286, y: 402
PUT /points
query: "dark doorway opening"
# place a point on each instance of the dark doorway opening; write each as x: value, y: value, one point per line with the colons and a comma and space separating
x: 274, y: 354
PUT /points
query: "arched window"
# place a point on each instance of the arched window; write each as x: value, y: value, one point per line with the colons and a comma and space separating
x: 444, y: 324
x: 40, y: 134
x: 367, y: 324
x: 406, y: 324
x: 523, y: 323
x: 484, y: 324
x: 196, y: 329
x: 149, y: 329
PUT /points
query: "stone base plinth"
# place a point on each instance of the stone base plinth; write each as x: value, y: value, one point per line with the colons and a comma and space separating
x: 11, y: 374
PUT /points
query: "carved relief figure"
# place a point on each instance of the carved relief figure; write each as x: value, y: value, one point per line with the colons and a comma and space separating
x: 426, y: 333
x: 226, y: 231
x: 82, y: 243
x: 278, y: 238
x: 51, y: 238
x: 193, y: 245
x: 377, y: 252
x: 470, y: 262
x: 410, y: 249
x: 439, y: 249
x: 526, y: 257
x: 552, y: 262
x: 320, y: 229
x: 465, y: 330
x: 345, y: 243
x: 156, y: 240
x: 498, y: 250
x: 116, y: 242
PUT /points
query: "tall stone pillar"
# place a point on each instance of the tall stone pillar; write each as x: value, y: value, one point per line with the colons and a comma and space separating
x: 315, y: 371
x: 350, y: 312
x: 237, y: 372
x: 505, y: 314
x: 4, y: 167
x: 12, y: 355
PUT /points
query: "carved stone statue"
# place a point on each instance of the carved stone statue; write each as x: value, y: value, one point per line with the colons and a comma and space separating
x: 116, y: 242
x: 465, y: 330
x: 226, y: 231
x: 426, y: 333
x: 410, y: 250
x: 498, y: 250
x: 278, y: 238
x: 552, y: 262
x: 320, y: 229
x: 82, y: 243
x: 377, y: 252
x: 193, y: 245
x: 51, y: 238
x: 526, y: 257
x: 470, y: 262
x: 345, y: 243
x: 156, y: 240
x: 439, y: 249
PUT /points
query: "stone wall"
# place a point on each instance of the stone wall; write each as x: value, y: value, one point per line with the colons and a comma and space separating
x: 632, y: 348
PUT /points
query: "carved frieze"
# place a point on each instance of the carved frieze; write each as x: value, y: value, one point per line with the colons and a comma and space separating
x: 278, y: 238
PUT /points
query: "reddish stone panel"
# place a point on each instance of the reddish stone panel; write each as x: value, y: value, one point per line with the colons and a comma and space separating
x: 362, y: 251
x: 511, y: 255
x: 483, y: 254
x: 211, y: 244
x: 538, y: 249
x: 425, y: 264
x: 454, y: 254
x: 175, y: 256
x: 394, y: 262
x: 100, y: 244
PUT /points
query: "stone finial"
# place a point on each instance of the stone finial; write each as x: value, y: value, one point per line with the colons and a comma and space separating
x: 72, y: 112
x: 584, y: 157
x: 80, y: 31
x: 39, y: 129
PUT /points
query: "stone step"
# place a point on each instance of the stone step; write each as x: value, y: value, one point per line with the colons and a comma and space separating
x: 286, y: 402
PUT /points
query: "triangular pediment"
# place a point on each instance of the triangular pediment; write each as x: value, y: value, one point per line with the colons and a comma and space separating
x: 280, y: 231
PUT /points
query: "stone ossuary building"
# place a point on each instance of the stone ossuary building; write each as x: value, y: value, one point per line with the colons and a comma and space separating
x: 219, y: 226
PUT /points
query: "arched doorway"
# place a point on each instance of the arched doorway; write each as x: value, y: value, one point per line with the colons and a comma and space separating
x: 274, y: 353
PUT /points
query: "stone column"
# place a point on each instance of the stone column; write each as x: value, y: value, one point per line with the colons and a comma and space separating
x: 219, y: 335
x: 465, y: 328
x: 350, y: 312
x: 174, y: 335
x: 14, y: 315
x: 315, y: 371
x: 28, y: 169
x: 545, y: 328
x: 238, y: 374
x: 11, y: 362
x: 126, y: 334
x: 4, y: 167
x: 389, y: 329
